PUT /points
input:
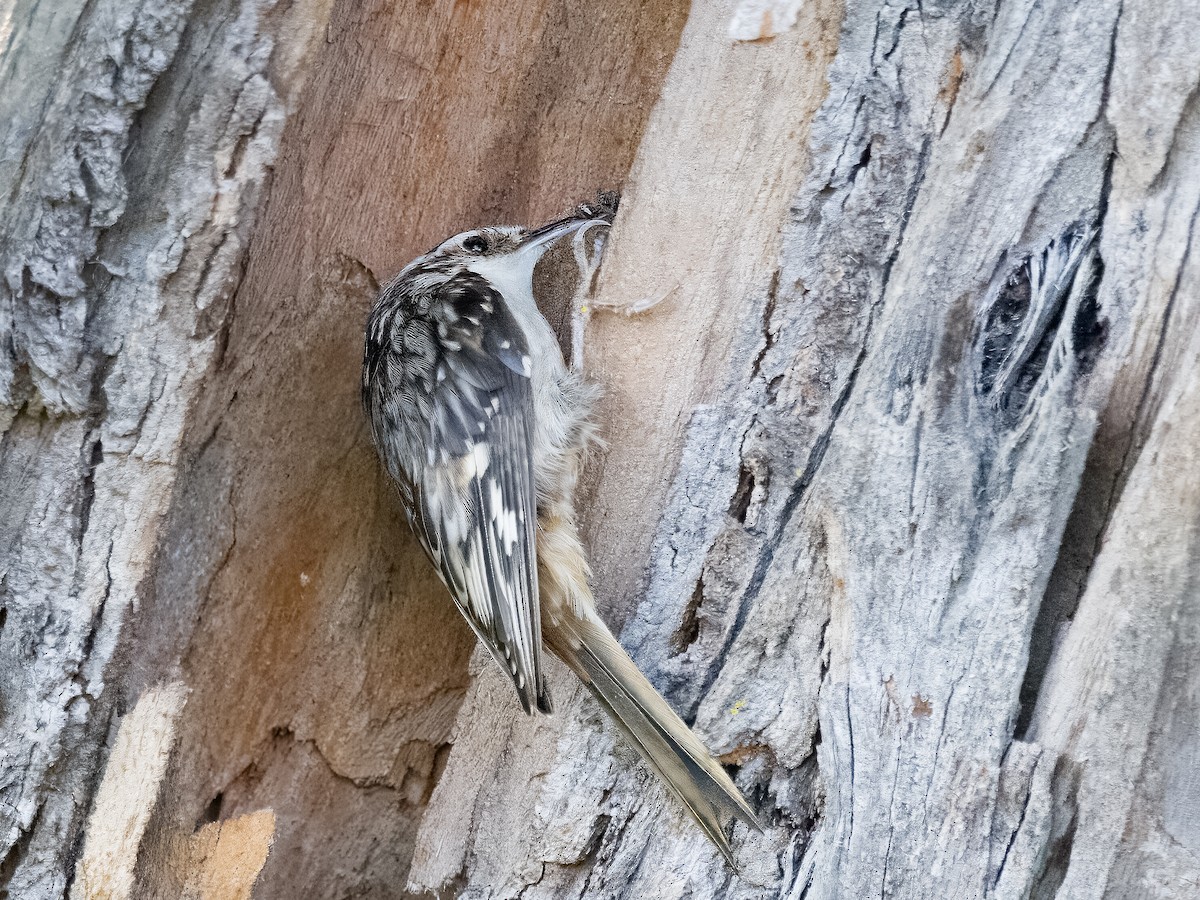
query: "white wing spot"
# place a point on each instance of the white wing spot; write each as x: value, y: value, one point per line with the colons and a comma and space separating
x: 504, y: 345
x: 482, y: 458
x: 474, y: 463
x: 508, y: 530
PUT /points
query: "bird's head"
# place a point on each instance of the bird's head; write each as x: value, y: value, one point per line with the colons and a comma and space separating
x: 504, y: 255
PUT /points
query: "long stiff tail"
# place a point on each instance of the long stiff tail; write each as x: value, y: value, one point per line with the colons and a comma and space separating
x: 660, y: 736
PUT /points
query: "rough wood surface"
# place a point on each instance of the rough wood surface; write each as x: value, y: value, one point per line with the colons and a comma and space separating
x: 324, y: 663
x: 136, y: 139
x: 871, y: 463
x: 904, y: 521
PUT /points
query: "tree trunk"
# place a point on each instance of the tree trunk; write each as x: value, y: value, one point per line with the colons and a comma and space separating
x: 899, y: 505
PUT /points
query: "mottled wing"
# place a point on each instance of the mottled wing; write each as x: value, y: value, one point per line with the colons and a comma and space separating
x: 446, y: 384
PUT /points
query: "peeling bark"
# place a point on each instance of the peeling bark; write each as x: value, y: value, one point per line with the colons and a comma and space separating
x: 136, y: 144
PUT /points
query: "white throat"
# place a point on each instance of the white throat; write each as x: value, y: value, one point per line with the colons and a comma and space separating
x: 511, y: 274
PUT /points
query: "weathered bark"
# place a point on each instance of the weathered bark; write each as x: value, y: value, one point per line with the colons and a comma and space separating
x: 863, y: 512
x: 136, y: 138
x: 209, y: 470
x: 911, y: 539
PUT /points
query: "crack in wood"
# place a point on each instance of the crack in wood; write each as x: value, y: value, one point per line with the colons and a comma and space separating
x: 771, y: 544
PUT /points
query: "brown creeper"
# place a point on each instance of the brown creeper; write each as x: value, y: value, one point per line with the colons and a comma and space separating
x: 483, y: 427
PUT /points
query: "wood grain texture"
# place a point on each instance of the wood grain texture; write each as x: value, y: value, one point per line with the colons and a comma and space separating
x: 863, y: 498
x: 899, y: 503
x: 222, y: 860
x: 127, y: 795
x: 325, y: 661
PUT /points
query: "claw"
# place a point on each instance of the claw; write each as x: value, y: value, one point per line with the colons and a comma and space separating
x: 580, y: 309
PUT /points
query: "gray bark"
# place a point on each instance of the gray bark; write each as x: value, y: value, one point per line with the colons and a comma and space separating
x: 900, y: 502
x: 136, y: 138
x: 876, y: 471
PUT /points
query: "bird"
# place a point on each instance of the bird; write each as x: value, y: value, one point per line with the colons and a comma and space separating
x: 484, y: 428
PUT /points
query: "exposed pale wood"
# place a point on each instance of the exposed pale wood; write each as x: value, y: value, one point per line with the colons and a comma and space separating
x: 223, y: 859
x: 127, y: 794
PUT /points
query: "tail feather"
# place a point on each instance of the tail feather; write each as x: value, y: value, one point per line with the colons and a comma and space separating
x: 659, y: 735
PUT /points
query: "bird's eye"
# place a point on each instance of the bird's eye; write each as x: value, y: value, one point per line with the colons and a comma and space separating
x: 474, y: 244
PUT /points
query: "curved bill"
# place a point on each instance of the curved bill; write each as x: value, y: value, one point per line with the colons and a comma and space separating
x: 540, y: 240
